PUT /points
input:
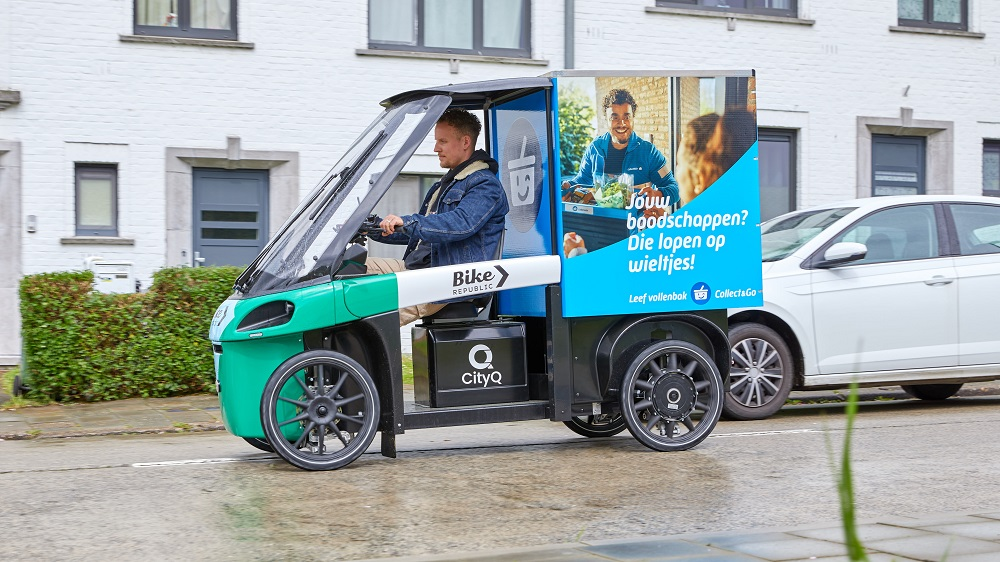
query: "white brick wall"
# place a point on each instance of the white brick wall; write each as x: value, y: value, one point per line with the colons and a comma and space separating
x: 302, y: 88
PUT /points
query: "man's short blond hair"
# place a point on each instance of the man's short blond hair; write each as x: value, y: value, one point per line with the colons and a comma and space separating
x: 464, y: 122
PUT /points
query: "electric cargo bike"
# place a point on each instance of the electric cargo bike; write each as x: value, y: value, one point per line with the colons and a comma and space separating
x: 308, y: 350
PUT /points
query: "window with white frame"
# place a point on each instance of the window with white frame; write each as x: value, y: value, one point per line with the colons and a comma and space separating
x: 787, y: 8
x: 96, y: 200
x: 480, y: 27
x: 944, y: 14
x: 991, y: 168
x: 777, y: 159
x: 198, y: 19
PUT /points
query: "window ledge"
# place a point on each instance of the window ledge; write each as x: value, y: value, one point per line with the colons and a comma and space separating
x: 936, y: 31
x: 101, y: 240
x: 449, y: 56
x: 185, y: 41
x: 9, y: 98
x: 733, y: 15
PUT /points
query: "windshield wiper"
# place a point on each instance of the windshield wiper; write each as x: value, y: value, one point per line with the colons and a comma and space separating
x: 347, y: 174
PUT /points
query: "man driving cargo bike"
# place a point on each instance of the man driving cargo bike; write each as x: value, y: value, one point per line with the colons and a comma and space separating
x: 630, y: 335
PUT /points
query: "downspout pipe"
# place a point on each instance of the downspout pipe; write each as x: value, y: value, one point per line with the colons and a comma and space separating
x: 569, y: 15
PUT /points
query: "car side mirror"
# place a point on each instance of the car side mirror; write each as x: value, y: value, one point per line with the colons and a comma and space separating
x: 841, y: 253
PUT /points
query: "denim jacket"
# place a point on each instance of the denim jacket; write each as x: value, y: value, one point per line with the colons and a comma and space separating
x: 469, y: 218
x: 642, y: 160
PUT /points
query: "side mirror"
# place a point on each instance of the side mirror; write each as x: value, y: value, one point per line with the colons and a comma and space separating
x: 841, y: 253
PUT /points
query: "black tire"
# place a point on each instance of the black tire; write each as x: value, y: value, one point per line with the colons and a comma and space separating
x: 320, y: 410
x: 259, y: 443
x: 761, y: 375
x: 603, y: 425
x: 932, y: 391
x: 671, y: 396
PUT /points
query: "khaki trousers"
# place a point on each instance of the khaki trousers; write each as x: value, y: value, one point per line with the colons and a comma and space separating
x: 407, y: 314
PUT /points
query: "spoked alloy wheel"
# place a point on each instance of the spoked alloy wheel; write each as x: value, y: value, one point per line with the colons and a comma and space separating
x: 320, y: 410
x: 601, y: 425
x: 761, y: 376
x: 671, y: 396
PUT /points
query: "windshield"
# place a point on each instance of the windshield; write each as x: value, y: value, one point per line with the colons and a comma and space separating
x: 783, y: 235
x: 308, y: 247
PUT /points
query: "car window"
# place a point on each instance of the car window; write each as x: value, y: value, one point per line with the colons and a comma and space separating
x: 783, y: 235
x: 978, y: 228
x: 896, y: 234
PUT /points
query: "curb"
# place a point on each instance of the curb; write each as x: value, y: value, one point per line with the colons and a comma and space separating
x: 36, y: 435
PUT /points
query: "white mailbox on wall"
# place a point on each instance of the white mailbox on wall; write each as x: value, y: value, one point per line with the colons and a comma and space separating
x: 111, y: 276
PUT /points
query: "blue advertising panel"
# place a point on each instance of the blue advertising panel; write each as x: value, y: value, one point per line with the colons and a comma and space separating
x: 520, y: 145
x: 660, y: 209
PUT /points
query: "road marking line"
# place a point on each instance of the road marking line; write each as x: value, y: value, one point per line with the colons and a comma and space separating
x: 222, y: 460
x: 775, y: 432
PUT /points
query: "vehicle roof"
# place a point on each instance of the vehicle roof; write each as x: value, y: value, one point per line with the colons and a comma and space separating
x: 890, y: 200
x: 476, y: 94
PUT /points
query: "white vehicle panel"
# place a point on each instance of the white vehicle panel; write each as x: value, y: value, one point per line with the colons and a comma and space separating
x: 886, y: 316
x: 978, y: 309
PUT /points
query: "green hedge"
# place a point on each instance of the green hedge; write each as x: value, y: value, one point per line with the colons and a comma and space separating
x: 83, y: 345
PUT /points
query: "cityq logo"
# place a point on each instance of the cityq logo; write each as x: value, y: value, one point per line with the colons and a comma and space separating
x: 700, y: 292
x: 481, y: 374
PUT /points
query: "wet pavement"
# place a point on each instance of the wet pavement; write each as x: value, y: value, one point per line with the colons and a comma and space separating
x: 956, y: 537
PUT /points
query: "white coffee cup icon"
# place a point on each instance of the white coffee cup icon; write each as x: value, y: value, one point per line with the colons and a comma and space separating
x: 522, y: 177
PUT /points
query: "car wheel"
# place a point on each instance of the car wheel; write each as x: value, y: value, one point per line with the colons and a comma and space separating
x: 761, y: 375
x: 671, y: 396
x: 931, y: 391
x: 603, y: 425
x: 320, y: 410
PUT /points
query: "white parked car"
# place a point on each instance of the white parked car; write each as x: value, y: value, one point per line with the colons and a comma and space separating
x: 888, y: 290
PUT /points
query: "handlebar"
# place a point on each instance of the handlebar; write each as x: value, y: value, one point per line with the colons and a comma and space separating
x: 369, y: 228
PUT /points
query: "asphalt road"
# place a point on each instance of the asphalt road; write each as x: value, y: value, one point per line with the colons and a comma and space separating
x: 210, y: 496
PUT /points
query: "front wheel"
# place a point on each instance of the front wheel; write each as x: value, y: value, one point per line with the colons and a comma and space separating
x: 602, y: 425
x: 932, y: 391
x: 671, y: 396
x: 320, y: 410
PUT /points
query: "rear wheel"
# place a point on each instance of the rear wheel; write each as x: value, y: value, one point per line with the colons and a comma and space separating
x: 671, y: 396
x: 761, y: 376
x: 932, y: 391
x: 320, y: 410
x: 601, y: 425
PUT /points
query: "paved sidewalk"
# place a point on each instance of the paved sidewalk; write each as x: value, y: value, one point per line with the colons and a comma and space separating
x: 955, y: 537
x: 135, y: 415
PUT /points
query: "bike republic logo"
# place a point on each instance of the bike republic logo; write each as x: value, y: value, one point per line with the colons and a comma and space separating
x: 476, y: 280
x: 482, y: 374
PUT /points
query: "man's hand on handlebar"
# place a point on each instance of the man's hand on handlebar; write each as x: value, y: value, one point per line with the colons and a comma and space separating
x: 389, y: 224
